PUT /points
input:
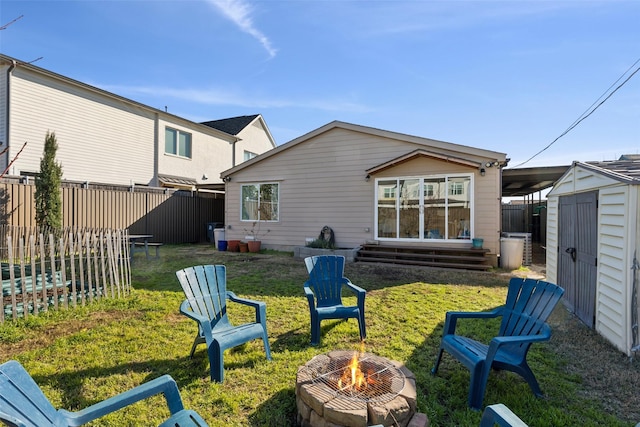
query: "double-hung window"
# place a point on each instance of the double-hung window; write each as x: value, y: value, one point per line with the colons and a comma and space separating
x: 260, y: 202
x: 177, y: 142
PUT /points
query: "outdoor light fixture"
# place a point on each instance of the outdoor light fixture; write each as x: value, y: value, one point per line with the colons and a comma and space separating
x: 226, y: 179
x: 482, y: 171
x: 494, y: 163
x: 367, y: 178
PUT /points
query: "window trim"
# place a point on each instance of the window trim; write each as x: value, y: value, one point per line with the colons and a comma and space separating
x: 178, y: 133
x: 423, y: 179
x: 259, y: 184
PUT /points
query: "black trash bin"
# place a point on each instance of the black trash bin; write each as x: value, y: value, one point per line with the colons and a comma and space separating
x: 210, y: 227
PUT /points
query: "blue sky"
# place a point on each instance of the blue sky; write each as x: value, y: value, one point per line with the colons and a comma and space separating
x: 508, y: 76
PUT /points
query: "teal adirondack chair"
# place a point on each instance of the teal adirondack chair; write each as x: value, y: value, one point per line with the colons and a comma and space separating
x: 324, y: 294
x: 206, y: 289
x: 529, y: 303
x: 501, y: 415
x: 23, y: 404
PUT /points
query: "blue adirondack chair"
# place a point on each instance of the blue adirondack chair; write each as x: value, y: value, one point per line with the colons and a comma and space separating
x: 23, y: 404
x: 206, y: 289
x: 501, y: 415
x: 324, y: 294
x: 529, y: 303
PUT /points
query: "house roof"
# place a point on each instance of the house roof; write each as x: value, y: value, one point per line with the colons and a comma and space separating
x: 430, y: 143
x: 421, y: 153
x: 232, y: 125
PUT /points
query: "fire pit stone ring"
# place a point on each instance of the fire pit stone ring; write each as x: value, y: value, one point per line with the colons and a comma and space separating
x: 350, y: 389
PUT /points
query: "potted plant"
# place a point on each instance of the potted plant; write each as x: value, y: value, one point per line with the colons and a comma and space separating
x: 233, y: 245
x: 253, y: 236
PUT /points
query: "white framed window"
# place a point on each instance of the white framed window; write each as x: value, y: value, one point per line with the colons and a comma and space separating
x: 456, y: 188
x: 260, y: 202
x: 177, y: 142
x: 424, y: 207
x: 248, y: 155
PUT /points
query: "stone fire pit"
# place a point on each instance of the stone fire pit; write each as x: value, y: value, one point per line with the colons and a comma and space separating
x: 387, y: 395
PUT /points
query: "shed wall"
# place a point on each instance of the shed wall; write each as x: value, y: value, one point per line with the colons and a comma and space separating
x: 617, y: 224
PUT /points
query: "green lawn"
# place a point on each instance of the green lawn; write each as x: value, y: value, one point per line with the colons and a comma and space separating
x: 82, y: 356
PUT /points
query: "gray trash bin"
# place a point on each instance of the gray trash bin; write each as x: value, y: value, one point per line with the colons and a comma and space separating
x: 219, y: 234
x: 511, y: 252
x: 210, y: 227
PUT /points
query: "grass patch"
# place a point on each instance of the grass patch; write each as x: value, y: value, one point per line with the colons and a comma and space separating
x: 85, y: 355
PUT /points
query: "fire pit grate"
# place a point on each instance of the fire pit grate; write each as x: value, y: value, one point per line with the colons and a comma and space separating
x: 381, y: 381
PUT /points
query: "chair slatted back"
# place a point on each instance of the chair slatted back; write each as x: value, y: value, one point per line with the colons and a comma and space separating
x: 326, y: 277
x: 22, y: 402
x: 529, y: 304
x: 205, y: 287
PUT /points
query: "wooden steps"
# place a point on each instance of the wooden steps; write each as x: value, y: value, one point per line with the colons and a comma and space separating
x: 465, y: 258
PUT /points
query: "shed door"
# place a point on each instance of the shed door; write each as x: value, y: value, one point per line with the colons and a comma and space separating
x: 577, y: 248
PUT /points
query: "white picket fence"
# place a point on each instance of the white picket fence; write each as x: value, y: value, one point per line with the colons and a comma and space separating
x: 41, y: 271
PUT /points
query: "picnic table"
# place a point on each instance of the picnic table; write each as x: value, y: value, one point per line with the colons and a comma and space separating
x: 141, y: 243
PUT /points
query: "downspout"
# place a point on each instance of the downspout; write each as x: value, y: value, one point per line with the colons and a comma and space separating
x: 233, y: 153
x: 6, y: 112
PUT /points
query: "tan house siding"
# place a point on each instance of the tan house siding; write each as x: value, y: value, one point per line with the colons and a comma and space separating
x: 105, y: 138
x: 323, y: 182
x: 255, y: 138
x: 210, y: 153
x: 3, y: 115
x: 90, y: 146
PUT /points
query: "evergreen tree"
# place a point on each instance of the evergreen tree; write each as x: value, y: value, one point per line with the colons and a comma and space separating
x: 48, y: 200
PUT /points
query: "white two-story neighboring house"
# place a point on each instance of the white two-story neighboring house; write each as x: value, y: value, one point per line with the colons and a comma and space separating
x: 109, y: 139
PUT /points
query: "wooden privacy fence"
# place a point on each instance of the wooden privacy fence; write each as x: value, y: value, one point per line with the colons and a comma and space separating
x: 171, y: 216
x: 41, y: 270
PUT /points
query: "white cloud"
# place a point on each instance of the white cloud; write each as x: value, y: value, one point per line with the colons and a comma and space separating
x: 227, y: 97
x: 239, y: 12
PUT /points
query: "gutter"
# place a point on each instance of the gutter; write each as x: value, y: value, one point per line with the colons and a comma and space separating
x: 7, y: 113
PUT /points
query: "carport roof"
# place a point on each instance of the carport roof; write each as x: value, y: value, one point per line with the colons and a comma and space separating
x: 525, y: 181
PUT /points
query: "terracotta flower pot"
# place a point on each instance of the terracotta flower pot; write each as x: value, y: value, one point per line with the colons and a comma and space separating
x: 243, y: 247
x: 254, y: 245
x: 233, y: 245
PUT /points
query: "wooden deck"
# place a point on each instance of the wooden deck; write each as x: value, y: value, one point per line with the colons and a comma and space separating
x: 446, y: 257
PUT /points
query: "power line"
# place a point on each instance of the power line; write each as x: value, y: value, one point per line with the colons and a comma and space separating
x: 589, y: 111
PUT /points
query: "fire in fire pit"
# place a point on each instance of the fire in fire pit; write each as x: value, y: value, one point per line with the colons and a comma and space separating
x: 344, y: 388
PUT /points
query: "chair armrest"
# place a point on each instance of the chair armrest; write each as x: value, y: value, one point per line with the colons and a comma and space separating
x: 452, y: 317
x: 164, y: 384
x: 501, y: 415
x: 544, y: 335
x: 185, y: 308
x: 309, y: 294
x: 360, y: 293
x: 260, y: 306
x: 354, y: 288
x: 13, y: 420
x: 498, y: 342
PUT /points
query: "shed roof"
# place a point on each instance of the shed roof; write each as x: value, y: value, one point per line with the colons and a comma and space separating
x: 626, y: 169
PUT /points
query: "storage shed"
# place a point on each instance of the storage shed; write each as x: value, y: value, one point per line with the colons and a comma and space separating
x: 593, y: 246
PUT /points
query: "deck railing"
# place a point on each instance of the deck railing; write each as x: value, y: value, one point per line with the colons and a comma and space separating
x: 46, y: 269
